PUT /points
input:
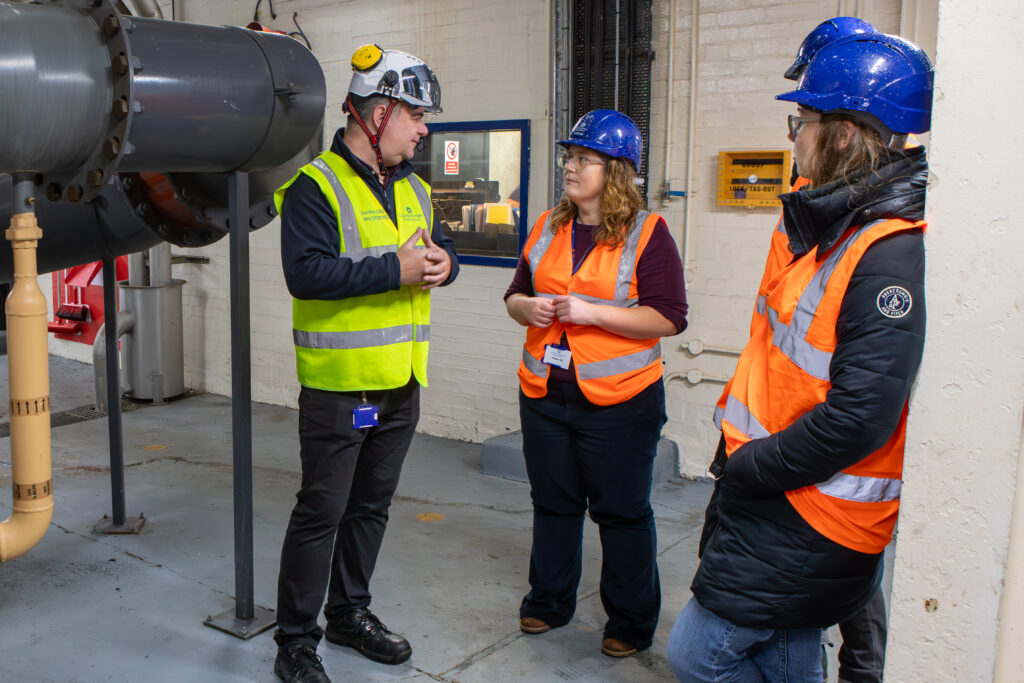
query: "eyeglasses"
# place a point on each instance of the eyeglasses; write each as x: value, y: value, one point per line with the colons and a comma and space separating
x: 579, y: 162
x: 797, y: 122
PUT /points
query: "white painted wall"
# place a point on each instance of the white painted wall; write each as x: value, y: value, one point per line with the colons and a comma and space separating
x: 963, y: 441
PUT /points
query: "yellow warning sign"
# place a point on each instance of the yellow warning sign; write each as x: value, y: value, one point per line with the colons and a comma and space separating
x: 753, y: 178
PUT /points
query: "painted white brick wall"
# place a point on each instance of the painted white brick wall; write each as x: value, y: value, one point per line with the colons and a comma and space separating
x: 493, y: 59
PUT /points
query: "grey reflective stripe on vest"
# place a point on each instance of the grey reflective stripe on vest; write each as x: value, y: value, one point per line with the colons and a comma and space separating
x: 780, y: 226
x: 538, y: 250
x: 423, y: 196
x: 861, y: 489
x: 533, y: 365
x: 761, y: 304
x: 623, y: 277
x: 627, y: 262
x: 791, y: 339
x: 614, y: 366
x: 361, y: 339
x: 842, y: 485
x: 738, y: 415
x: 353, y: 242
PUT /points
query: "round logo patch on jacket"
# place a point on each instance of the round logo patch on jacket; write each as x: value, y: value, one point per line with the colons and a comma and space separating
x: 894, y: 302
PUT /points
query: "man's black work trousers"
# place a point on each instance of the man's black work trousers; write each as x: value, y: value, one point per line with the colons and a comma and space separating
x: 862, y: 655
x: 337, y: 525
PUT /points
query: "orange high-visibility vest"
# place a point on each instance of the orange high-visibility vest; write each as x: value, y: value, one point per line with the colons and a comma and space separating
x: 783, y: 372
x: 610, y: 368
x: 779, y: 253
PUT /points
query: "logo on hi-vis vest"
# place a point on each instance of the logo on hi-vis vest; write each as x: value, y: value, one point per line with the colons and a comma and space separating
x: 894, y: 302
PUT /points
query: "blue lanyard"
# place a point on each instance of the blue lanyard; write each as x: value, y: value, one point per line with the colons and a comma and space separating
x: 572, y: 248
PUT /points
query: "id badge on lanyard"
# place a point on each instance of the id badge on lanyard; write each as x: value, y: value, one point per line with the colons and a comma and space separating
x: 557, y: 355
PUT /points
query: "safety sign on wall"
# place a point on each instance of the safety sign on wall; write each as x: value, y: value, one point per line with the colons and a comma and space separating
x: 451, y: 157
x: 753, y: 178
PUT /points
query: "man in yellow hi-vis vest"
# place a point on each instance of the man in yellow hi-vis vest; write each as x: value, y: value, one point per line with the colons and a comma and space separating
x: 361, y: 249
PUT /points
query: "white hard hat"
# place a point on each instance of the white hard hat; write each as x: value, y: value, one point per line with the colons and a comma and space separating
x: 394, y: 74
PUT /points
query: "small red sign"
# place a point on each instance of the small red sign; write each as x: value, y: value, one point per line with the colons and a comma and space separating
x: 451, y: 157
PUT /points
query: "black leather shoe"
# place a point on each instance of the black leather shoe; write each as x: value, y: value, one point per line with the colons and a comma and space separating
x: 361, y: 630
x: 299, y: 663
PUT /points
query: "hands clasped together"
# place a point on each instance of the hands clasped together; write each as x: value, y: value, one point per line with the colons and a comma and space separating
x: 428, y: 266
x: 542, y: 312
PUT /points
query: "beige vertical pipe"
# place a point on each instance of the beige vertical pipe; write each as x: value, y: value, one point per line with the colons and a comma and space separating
x: 29, y: 374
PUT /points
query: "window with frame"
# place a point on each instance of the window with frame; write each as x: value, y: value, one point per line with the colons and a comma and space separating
x: 479, y: 173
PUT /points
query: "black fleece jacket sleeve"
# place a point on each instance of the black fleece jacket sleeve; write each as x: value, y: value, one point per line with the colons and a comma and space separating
x: 873, y: 366
x: 310, y: 246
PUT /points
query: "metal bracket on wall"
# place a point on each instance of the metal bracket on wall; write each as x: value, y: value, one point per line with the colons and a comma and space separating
x: 181, y: 258
x: 695, y: 347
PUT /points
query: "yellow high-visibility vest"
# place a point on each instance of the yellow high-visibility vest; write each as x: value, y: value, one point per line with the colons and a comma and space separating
x: 375, y: 341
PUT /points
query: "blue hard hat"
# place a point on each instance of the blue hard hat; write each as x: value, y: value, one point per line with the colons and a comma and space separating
x: 885, y: 81
x: 824, y: 33
x: 609, y: 132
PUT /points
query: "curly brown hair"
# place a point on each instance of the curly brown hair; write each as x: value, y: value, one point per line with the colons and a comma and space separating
x: 620, y: 202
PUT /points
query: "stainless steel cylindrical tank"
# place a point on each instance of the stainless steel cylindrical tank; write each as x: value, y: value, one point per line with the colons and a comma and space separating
x: 154, y: 354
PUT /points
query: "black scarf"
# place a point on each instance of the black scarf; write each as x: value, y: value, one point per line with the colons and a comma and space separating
x: 820, y: 216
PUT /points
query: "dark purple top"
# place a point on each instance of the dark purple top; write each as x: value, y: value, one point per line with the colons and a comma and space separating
x: 659, y: 280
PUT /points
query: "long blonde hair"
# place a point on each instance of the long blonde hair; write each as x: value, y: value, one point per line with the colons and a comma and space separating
x: 620, y: 202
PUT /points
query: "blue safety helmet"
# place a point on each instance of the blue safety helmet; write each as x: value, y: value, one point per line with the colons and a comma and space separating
x: 609, y: 132
x: 824, y: 33
x: 884, y: 81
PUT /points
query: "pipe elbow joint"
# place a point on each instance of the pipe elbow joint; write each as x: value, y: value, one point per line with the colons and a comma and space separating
x: 20, y: 532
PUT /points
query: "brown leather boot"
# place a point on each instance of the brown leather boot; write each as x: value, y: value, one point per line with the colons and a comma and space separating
x: 613, y: 647
x: 533, y: 625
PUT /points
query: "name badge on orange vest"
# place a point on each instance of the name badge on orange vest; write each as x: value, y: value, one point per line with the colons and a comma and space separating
x: 556, y: 355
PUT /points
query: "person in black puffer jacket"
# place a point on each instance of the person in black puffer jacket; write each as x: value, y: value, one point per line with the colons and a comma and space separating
x: 813, y: 421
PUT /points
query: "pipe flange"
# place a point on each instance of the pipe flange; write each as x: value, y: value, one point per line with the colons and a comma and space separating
x: 88, y: 180
x: 193, y: 191
x: 158, y: 218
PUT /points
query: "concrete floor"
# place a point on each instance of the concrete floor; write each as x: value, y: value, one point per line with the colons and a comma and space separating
x: 86, y: 607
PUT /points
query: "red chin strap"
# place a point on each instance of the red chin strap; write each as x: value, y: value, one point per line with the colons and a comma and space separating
x: 374, y: 139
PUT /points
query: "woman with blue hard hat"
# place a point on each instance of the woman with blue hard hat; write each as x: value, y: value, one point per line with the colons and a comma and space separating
x: 809, y: 466
x: 598, y: 284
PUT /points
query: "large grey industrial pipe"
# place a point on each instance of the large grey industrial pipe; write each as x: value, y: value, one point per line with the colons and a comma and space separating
x: 144, y: 119
x: 97, y: 92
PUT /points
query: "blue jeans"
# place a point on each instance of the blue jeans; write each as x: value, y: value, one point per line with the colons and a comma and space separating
x: 704, y: 648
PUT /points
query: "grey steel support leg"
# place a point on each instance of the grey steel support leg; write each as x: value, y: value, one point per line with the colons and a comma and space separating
x: 116, y: 523
x: 246, y: 620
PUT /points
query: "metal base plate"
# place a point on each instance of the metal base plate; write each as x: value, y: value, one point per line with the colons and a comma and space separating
x: 227, y: 622
x: 106, y: 526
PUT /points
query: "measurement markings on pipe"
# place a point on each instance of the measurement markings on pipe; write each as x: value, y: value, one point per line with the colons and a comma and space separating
x: 30, y: 406
x: 33, y: 491
x: 74, y: 415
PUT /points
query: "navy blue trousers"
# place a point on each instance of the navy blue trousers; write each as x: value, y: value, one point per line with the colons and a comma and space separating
x: 579, y: 456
